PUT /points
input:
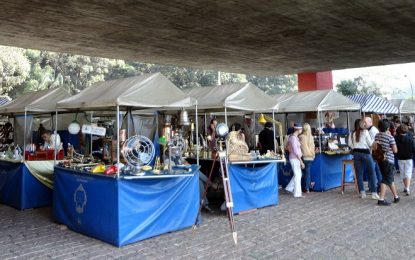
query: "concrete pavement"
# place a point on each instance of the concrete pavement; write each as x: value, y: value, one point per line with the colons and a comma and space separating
x: 321, y: 226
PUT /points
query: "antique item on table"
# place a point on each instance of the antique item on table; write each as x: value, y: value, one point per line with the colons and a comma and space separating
x: 237, y: 148
x: 138, y: 151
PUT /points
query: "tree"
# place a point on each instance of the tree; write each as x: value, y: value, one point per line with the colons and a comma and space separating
x: 14, y: 69
x: 358, y: 86
x: 274, y: 84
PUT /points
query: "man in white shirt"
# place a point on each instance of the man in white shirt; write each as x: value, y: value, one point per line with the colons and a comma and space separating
x: 373, y: 131
x: 51, y: 141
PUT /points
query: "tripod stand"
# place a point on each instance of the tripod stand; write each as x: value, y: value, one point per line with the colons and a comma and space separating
x: 223, y: 161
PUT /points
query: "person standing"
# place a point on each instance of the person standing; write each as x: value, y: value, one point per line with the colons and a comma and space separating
x: 52, y: 141
x: 361, y: 143
x: 266, y: 139
x: 211, y: 132
x: 295, y: 156
x: 373, y: 131
x: 388, y: 144
x: 405, y: 145
x: 308, y: 151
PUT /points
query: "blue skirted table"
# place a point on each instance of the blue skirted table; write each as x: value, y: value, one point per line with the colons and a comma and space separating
x: 125, y: 210
x: 254, y: 184
x: 326, y: 171
x: 25, y: 185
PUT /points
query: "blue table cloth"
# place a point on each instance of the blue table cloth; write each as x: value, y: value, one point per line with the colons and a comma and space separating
x: 326, y: 172
x: 122, y: 211
x: 253, y: 187
x: 20, y: 189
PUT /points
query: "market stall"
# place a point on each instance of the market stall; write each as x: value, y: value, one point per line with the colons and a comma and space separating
x: 327, y: 165
x: 406, y: 107
x: 23, y: 183
x: 251, y: 187
x: 130, y: 202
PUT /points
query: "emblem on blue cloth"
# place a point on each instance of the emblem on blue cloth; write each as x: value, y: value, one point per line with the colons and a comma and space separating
x: 80, y: 199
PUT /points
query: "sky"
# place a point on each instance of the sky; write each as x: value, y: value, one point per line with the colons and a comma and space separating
x: 390, y: 78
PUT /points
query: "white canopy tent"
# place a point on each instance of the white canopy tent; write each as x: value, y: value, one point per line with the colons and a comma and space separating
x: 43, y: 101
x: 311, y: 101
x: 240, y: 96
x: 145, y: 91
x: 140, y: 92
x: 314, y: 101
x: 39, y: 102
x: 405, y: 106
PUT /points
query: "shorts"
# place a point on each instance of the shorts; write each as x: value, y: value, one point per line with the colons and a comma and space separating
x: 386, y: 168
x: 405, y: 168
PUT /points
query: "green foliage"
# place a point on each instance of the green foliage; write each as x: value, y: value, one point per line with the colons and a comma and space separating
x: 31, y: 70
x: 14, y: 69
x: 358, y: 86
x: 275, y: 84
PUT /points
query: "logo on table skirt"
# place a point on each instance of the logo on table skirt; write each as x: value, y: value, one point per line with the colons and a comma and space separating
x: 80, y: 199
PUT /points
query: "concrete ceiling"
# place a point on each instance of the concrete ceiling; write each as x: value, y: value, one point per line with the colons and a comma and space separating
x: 253, y: 36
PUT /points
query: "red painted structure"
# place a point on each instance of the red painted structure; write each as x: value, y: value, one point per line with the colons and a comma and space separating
x: 315, y: 81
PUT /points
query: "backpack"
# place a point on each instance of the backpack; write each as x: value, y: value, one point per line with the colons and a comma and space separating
x: 377, y: 152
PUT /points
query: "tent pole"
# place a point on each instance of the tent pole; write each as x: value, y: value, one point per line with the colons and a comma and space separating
x: 321, y: 128
x: 118, y: 141
x: 273, y: 139
x: 197, y: 136
x: 24, y: 134
x: 56, y: 137
x: 90, y: 136
x: 348, y: 122
x: 226, y: 117
x: 205, y: 125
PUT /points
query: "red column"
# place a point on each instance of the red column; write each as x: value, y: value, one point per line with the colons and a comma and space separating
x: 315, y: 81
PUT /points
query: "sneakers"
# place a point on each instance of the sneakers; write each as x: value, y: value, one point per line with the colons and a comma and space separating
x: 375, y: 196
x: 383, y: 203
x: 396, y: 200
x: 407, y: 192
x: 363, y: 194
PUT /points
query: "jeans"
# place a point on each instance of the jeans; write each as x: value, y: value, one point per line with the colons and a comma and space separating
x: 378, y: 175
x: 306, y: 178
x: 360, y: 161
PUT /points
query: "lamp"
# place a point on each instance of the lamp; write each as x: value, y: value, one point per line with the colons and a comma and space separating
x: 74, y: 127
x: 184, y: 117
x: 261, y: 119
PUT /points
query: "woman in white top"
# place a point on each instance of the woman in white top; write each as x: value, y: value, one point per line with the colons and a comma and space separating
x: 361, y: 142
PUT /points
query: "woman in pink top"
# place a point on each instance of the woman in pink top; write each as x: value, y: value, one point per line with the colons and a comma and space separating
x: 294, y: 149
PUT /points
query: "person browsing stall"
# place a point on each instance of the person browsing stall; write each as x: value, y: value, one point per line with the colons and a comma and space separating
x: 405, y: 144
x: 361, y: 143
x: 52, y: 141
x: 388, y: 144
x: 295, y: 155
x: 373, y: 131
x: 308, y: 150
x: 266, y: 139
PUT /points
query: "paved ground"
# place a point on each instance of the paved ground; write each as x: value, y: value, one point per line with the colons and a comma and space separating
x: 321, y: 226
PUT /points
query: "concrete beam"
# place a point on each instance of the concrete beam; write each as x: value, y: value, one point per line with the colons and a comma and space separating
x: 254, y: 36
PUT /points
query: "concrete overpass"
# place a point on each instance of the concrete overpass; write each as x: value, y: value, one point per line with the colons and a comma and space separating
x: 254, y: 36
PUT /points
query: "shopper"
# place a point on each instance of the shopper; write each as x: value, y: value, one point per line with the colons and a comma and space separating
x: 295, y: 156
x: 386, y: 140
x: 266, y: 139
x: 308, y: 151
x: 405, y: 145
x: 373, y: 131
x: 360, y: 142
